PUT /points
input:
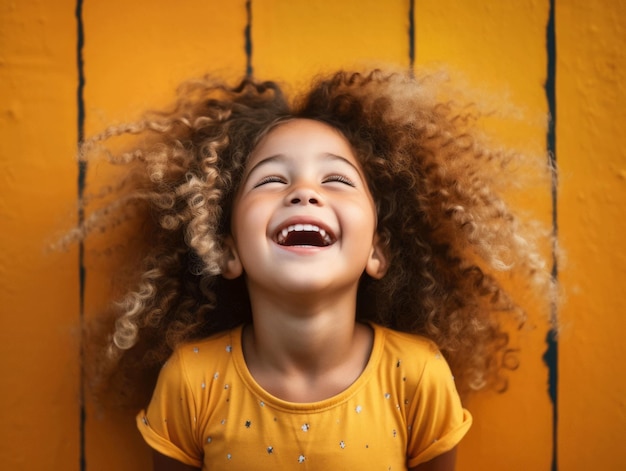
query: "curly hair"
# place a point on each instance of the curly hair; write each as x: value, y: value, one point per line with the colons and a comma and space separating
x: 436, y: 181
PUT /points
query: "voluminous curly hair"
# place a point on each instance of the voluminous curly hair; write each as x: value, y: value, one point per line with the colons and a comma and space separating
x: 448, y: 232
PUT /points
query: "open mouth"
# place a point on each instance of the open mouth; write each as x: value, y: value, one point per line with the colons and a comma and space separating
x: 304, y: 235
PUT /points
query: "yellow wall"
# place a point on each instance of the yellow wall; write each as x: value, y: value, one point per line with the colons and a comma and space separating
x: 135, y: 52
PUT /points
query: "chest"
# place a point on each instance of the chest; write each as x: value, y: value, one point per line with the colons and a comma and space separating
x: 365, y: 431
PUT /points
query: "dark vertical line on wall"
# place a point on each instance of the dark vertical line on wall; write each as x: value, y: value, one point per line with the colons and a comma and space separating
x: 551, y: 354
x: 82, y: 173
x: 411, y: 35
x: 248, y: 38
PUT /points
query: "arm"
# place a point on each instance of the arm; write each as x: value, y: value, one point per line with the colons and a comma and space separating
x: 443, y: 462
x: 164, y: 463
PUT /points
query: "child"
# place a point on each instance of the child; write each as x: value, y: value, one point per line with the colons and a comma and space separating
x: 304, y: 262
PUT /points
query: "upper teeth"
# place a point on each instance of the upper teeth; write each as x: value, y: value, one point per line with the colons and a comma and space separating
x: 282, y: 236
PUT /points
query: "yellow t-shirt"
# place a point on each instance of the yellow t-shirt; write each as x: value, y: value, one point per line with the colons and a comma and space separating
x: 208, y: 411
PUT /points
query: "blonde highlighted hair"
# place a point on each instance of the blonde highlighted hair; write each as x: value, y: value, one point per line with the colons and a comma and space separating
x: 448, y: 231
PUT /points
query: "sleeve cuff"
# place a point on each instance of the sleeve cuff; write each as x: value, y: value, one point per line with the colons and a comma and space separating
x: 443, y: 444
x: 162, y: 445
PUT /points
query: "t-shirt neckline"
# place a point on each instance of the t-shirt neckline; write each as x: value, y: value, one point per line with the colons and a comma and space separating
x: 265, y: 398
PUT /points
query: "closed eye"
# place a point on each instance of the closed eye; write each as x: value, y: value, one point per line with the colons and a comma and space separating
x: 339, y: 179
x: 270, y: 179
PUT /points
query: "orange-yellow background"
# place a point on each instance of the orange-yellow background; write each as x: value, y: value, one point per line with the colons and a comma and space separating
x: 134, y: 54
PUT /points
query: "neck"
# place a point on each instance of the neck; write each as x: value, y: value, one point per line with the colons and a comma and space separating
x: 306, y: 350
x: 306, y: 333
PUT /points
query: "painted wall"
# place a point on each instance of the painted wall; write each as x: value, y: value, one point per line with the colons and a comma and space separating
x: 132, y: 54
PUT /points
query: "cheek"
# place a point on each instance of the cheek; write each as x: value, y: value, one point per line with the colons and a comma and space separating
x: 248, y: 220
x: 362, y: 213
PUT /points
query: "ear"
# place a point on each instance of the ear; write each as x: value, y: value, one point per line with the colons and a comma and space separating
x: 378, y: 261
x: 231, y: 264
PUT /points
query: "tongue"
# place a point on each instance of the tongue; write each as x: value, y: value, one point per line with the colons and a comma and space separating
x: 304, y: 238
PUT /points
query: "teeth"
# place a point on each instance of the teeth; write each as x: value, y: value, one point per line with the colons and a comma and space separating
x: 282, y: 236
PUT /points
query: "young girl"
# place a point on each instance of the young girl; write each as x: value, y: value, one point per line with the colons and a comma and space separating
x: 310, y: 268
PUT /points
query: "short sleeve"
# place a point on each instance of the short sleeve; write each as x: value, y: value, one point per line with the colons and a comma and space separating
x: 169, y: 424
x: 438, y: 420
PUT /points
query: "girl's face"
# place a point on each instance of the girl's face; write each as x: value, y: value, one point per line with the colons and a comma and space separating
x: 303, y: 219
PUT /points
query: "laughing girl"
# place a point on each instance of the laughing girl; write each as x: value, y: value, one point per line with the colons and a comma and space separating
x: 314, y: 271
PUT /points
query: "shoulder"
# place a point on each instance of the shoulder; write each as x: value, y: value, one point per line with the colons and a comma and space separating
x: 415, y: 347
x: 198, y: 356
x: 417, y: 356
x: 215, y: 345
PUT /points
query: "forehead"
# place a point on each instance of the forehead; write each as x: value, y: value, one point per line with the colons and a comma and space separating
x: 302, y: 135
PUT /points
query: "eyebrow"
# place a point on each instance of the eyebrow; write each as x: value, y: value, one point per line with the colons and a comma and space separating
x: 266, y: 160
x: 282, y: 157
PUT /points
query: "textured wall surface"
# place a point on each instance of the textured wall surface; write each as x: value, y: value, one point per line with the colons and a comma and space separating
x: 69, y: 67
x: 591, y: 92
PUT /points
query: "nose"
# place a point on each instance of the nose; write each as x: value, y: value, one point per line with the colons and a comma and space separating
x: 303, y: 195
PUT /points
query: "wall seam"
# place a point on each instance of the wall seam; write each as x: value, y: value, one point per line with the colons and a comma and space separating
x: 82, y: 174
x: 551, y: 355
x: 248, y: 39
x: 411, y: 35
